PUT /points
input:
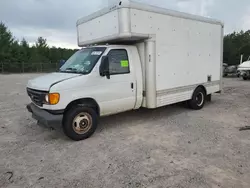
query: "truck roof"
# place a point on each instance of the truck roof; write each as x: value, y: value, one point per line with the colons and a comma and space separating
x: 140, y: 6
x: 107, y: 45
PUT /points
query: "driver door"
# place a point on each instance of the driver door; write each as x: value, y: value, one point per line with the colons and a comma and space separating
x: 120, y: 90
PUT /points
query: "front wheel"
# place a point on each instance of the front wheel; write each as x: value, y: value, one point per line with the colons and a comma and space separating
x: 80, y: 123
x: 198, y: 99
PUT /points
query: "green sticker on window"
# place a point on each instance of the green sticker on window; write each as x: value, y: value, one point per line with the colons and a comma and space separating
x: 124, y: 63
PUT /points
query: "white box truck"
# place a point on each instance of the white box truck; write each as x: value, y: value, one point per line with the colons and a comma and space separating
x: 134, y: 56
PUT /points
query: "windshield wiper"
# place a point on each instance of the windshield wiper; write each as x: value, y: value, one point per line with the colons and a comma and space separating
x: 71, y: 70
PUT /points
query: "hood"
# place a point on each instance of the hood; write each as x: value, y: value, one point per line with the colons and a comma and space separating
x: 244, y: 66
x: 46, y: 81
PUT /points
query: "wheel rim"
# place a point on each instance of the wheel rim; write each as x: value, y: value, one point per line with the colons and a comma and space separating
x: 199, y: 99
x: 82, y: 123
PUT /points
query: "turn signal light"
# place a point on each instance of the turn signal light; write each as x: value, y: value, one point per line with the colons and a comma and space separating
x: 52, y: 98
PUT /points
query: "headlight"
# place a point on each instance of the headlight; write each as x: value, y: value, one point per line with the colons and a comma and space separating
x: 47, y: 98
x: 52, y: 98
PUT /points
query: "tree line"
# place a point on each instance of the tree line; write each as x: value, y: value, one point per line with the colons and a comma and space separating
x: 235, y: 45
x: 19, y: 56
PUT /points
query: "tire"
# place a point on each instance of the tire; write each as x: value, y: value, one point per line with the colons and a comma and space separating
x: 244, y: 78
x: 198, y: 99
x: 80, y: 123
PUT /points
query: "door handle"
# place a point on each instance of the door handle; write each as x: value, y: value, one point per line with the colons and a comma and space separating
x: 132, y: 85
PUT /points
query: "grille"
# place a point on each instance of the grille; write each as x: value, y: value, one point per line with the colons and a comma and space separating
x: 37, y: 96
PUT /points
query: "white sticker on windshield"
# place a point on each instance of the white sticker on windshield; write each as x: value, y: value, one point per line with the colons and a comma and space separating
x: 96, y: 53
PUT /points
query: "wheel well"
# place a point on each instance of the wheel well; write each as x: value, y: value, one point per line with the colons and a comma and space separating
x: 202, y: 87
x: 89, y: 102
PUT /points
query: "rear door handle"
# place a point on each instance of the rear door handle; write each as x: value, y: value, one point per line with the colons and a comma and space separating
x: 132, y: 85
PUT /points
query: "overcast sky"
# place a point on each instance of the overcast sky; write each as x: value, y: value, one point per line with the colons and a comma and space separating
x: 56, y: 19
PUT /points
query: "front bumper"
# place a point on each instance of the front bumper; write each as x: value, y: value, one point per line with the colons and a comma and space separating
x: 43, y: 117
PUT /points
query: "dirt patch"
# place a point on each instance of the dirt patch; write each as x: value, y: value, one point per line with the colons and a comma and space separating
x: 167, y: 147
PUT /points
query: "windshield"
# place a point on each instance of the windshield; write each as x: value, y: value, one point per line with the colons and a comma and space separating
x: 83, y: 61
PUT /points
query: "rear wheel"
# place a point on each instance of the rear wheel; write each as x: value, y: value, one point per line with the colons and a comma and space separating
x: 198, y: 99
x: 80, y: 123
x: 244, y: 78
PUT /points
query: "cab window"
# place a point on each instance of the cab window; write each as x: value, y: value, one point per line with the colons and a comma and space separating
x: 118, y: 61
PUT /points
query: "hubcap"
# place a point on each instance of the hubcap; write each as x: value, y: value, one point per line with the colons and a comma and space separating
x: 82, y: 123
x: 199, y: 99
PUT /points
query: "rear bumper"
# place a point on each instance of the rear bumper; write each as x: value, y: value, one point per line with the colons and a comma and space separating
x: 44, y: 117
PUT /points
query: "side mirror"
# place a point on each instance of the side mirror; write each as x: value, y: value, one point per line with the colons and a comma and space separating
x: 104, y: 67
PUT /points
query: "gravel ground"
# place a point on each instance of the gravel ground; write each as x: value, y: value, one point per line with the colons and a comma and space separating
x: 167, y: 147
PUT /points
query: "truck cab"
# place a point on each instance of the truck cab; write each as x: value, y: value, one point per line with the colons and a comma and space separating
x: 104, y: 79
